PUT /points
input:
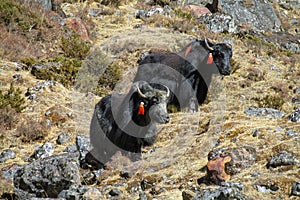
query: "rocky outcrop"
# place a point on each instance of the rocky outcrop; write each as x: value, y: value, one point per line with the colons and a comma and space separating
x: 47, y: 177
x: 235, y: 16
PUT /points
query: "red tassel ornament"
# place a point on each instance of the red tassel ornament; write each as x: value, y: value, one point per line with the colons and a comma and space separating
x: 141, y: 109
x: 210, y: 59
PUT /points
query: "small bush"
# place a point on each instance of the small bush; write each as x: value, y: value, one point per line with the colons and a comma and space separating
x: 12, y: 99
x: 8, y: 118
x: 27, y: 30
x: 108, y: 80
x: 33, y: 130
x: 270, y: 101
x: 112, y: 3
x: 74, y: 47
x: 62, y: 69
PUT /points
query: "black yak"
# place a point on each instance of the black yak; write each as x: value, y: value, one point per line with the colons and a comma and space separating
x: 127, y: 122
x: 187, y: 73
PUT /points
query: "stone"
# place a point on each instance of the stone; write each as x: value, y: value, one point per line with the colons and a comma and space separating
x: 115, y: 192
x: 225, y: 191
x: 281, y: 159
x: 295, y: 189
x: 43, y: 151
x: 83, y: 145
x: 63, y: 138
x: 236, y: 16
x: 198, y: 11
x: 78, y: 26
x: 6, y: 155
x: 295, y: 116
x: 47, y: 177
x: 264, y: 112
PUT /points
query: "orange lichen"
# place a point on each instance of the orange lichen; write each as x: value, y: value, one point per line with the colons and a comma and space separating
x: 216, y: 169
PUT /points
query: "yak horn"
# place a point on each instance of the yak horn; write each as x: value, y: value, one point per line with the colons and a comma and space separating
x: 229, y: 45
x: 168, y: 91
x: 207, y: 45
x: 140, y: 93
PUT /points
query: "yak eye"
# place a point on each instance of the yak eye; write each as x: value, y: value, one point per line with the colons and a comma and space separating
x: 155, y: 100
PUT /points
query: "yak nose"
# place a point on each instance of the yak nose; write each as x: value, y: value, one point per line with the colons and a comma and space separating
x: 226, y: 72
x: 167, y: 119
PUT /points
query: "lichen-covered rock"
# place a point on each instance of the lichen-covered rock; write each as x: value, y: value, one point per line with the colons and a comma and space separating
x: 81, y: 192
x: 225, y: 191
x: 63, y: 138
x: 83, y: 145
x: 47, y: 177
x: 43, y: 151
x: 281, y: 159
x: 255, y: 15
x: 6, y: 155
x: 264, y: 112
x: 295, y: 116
x: 224, y: 162
x: 296, y: 189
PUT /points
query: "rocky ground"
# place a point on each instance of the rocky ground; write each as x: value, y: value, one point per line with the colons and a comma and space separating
x: 247, y: 130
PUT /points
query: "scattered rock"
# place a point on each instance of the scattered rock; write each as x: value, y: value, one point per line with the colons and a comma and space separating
x: 268, y: 188
x: 6, y: 155
x: 145, y: 184
x: 281, y: 159
x: 296, y: 189
x: 38, y: 88
x: 83, y: 146
x: 216, y: 170
x: 90, y: 177
x: 71, y: 149
x: 295, y: 116
x: 63, y: 138
x: 126, y: 174
x: 255, y: 133
x: 78, y: 26
x: 219, y: 23
x: 257, y: 16
x: 17, y: 76
x: 264, y: 112
x: 157, y: 190
x: 46, y: 3
x: 43, y: 151
x: 167, y: 10
x: 142, y: 196
x: 9, y: 171
x: 115, y: 192
x: 78, y: 192
x: 187, y: 195
x: 224, y: 162
x: 225, y: 191
x: 291, y: 133
x: 47, y: 177
x: 198, y: 11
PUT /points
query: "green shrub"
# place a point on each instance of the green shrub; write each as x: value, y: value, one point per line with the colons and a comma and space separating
x: 74, y: 47
x: 108, y: 80
x: 270, y: 101
x: 62, y: 69
x: 14, y: 13
x: 12, y: 99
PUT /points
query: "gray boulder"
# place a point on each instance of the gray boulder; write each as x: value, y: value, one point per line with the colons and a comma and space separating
x: 257, y: 16
x: 47, y: 177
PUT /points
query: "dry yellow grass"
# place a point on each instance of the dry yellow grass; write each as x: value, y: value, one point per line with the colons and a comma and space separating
x: 184, y: 143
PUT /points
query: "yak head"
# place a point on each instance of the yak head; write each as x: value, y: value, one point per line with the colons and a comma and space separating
x: 149, y: 103
x: 221, y: 54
